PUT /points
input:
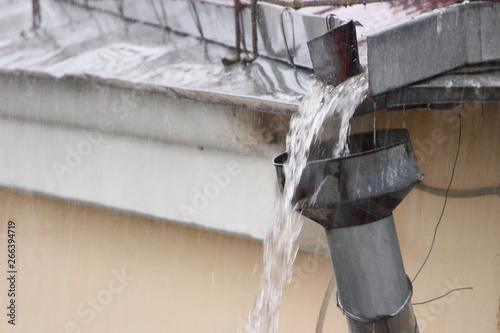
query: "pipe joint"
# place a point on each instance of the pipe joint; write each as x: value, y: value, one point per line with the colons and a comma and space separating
x: 385, y: 317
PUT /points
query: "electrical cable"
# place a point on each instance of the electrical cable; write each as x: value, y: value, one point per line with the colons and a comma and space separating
x: 439, y: 297
x: 445, y: 197
x: 194, y: 14
x: 324, y: 305
x: 283, y: 33
x: 460, y: 193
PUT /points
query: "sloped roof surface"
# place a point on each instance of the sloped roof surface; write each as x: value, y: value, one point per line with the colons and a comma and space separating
x: 74, y: 41
x: 407, y: 49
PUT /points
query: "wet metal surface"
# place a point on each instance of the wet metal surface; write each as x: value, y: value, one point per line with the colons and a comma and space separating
x: 74, y: 41
x: 353, y: 198
x: 79, y: 42
x: 282, y: 30
x: 335, y: 54
x: 360, y: 188
x: 214, y: 21
x: 373, y: 291
x: 441, y: 40
x: 446, y: 90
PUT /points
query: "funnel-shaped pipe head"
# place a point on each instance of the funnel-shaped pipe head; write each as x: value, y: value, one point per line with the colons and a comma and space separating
x: 360, y: 188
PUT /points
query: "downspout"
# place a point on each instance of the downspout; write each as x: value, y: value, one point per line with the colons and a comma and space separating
x: 353, y: 197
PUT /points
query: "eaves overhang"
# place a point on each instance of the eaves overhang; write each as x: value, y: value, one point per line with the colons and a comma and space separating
x: 411, y: 51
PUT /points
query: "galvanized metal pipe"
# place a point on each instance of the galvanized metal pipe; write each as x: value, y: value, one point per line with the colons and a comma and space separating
x: 373, y: 291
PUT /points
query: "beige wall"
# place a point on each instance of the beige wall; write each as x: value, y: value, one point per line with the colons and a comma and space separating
x: 182, y: 279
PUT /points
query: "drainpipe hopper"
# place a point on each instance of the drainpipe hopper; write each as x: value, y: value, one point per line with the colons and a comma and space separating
x: 353, y: 197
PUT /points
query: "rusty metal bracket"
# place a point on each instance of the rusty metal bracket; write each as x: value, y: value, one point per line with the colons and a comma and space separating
x: 237, y: 27
x: 37, y: 14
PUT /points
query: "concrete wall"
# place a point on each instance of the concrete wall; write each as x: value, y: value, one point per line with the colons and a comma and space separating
x: 142, y: 152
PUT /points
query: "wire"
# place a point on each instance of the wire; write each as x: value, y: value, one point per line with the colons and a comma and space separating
x: 439, y: 297
x: 324, y: 305
x: 460, y: 193
x: 445, y: 197
x: 283, y: 33
x: 194, y: 14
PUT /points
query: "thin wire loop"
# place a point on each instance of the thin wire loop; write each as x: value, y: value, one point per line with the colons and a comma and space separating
x: 287, y: 48
x: 370, y: 320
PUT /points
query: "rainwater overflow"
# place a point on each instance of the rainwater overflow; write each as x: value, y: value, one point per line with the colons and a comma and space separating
x: 324, y: 114
x: 350, y: 185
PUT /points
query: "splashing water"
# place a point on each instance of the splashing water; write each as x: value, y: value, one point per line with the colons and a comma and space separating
x: 325, y: 111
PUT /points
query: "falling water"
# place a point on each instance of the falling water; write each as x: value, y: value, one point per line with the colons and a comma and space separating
x: 324, y: 112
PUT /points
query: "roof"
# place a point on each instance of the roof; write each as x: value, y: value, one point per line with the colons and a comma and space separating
x: 76, y: 42
x: 131, y: 47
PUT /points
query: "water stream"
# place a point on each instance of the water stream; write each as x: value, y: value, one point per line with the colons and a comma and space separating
x: 324, y: 113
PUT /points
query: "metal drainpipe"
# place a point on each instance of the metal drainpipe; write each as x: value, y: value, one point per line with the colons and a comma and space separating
x: 373, y: 291
x: 354, y: 197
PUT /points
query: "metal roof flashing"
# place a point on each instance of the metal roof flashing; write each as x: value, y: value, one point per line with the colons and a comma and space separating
x: 77, y: 42
x: 409, y: 62
x: 433, y: 43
